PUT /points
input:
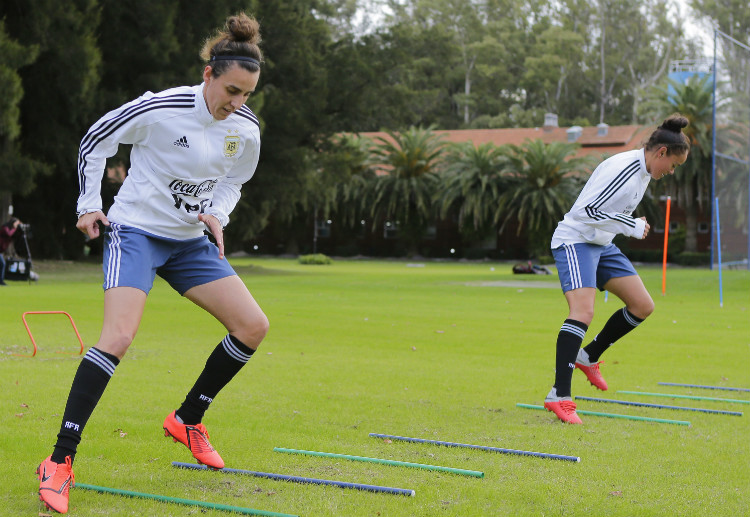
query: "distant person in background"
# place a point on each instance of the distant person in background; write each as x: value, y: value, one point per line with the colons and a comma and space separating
x: 7, y: 231
x: 586, y: 258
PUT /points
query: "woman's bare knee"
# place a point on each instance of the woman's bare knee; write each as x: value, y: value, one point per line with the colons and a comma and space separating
x: 252, y: 331
x: 116, y: 344
x: 584, y: 316
x: 642, y: 308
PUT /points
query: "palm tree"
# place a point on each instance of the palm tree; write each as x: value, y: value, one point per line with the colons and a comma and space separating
x: 691, y: 184
x: 543, y: 182
x: 347, y: 172
x: 338, y: 181
x: 470, y: 186
x: 404, y: 193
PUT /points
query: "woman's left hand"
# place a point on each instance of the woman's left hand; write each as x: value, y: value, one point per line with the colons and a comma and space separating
x: 646, y: 229
x: 214, y: 226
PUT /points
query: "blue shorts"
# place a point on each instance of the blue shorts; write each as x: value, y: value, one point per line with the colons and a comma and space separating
x: 590, y: 265
x: 133, y: 257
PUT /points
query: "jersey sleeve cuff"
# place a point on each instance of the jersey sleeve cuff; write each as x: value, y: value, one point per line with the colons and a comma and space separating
x: 223, y: 218
x: 640, y: 227
x: 85, y: 211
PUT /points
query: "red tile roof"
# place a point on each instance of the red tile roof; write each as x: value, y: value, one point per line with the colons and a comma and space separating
x: 617, y: 139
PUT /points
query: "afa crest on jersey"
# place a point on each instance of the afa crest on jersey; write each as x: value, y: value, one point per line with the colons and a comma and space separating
x: 231, y: 145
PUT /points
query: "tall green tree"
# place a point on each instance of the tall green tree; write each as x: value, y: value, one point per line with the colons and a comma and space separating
x: 615, y: 47
x: 732, y: 16
x: 658, y: 42
x: 294, y: 90
x: 18, y: 172
x: 461, y: 57
x: 144, y: 57
x: 556, y: 55
x: 478, y: 51
x: 403, y: 195
x: 366, y: 90
x: 56, y: 109
x: 543, y: 182
x: 422, y: 78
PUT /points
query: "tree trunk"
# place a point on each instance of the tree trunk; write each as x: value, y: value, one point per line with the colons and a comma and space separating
x: 467, y: 88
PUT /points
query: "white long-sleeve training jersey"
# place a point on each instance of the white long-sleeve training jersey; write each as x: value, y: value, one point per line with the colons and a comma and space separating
x: 183, y: 162
x: 604, y: 206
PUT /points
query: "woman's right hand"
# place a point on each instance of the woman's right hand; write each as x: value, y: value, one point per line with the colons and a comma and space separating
x: 87, y: 223
x: 646, y: 229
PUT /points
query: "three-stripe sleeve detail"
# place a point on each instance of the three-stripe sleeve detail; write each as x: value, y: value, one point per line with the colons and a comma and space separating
x: 109, y: 126
x: 593, y: 208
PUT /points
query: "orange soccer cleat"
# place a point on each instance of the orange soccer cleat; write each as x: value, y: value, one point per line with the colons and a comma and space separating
x: 195, y: 438
x: 593, y: 374
x: 563, y: 407
x: 55, y: 480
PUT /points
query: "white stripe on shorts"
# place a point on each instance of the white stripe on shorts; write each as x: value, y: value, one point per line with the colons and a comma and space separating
x: 575, y: 272
x: 115, y: 255
x: 231, y: 349
x: 96, y: 357
x: 578, y: 331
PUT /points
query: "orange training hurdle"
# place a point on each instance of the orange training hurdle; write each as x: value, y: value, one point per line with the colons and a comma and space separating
x: 23, y: 317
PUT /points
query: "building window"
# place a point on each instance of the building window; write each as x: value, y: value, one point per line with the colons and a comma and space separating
x: 674, y: 226
x: 431, y: 232
x: 703, y: 227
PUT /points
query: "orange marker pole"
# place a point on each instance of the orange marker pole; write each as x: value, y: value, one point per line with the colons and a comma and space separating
x: 666, y: 241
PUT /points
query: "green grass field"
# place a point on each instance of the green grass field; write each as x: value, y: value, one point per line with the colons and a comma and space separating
x: 362, y: 347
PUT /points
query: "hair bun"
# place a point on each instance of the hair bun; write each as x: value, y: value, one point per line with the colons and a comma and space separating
x: 243, y: 28
x: 675, y: 123
x: 240, y: 36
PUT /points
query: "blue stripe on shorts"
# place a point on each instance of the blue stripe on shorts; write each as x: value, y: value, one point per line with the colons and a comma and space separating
x: 133, y: 258
x: 590, y: 265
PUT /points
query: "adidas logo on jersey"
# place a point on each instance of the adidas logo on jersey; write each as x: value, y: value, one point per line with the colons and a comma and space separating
x: 182, y: 142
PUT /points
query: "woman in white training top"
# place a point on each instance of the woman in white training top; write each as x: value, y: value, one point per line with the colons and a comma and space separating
x: 193, y: 148
x: 586, y: 258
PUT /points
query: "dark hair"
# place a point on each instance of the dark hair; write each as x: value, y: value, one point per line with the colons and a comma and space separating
x: 670, y: 135
x: 240, y: 37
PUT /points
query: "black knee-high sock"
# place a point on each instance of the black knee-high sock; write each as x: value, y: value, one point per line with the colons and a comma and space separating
x: 91, y: 379
x: 568, y: 342
x: 619, y: 324
x: 222, y: 365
